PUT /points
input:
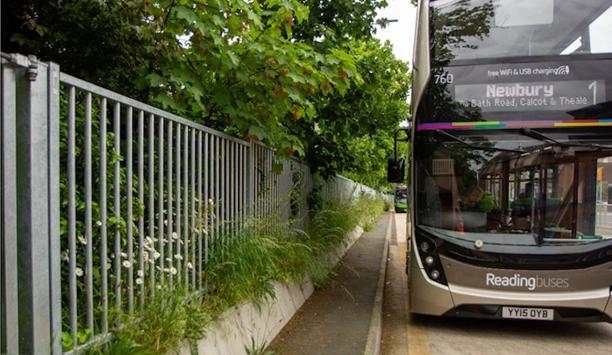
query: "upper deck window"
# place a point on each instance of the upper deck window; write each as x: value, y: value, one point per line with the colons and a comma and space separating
x: 475, y: 29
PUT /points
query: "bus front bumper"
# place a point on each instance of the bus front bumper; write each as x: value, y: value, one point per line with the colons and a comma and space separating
x: 431, y: 298
x: 590, y: 305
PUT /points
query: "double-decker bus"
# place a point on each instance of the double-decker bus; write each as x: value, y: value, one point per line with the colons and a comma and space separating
x: 400, y: 198
x: 511, y: 160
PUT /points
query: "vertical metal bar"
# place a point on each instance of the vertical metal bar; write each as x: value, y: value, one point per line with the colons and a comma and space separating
x: 88, y: 231
x: 236, y: 187
x: 198, y: 267
x: 185, y: 206
x: 169, y: 202
x: 160, y: 208
x: 216, y: 199
x: 255, y: 181
x: 239, y: 188
x: 72, y: 267
x: 268, y: 187
x: 178, y: 202
x: 207, y: 160
x: 150, y: 205
x: 130, y: 210
x: 192, y: 234
x: 9, y: 333
x: 244, y: 175
x: 117, y: 202
x: 222, y: 199
x: 231, y: 188
x: 102, y: 221
x: 53, y: 186
x: 260, y: 179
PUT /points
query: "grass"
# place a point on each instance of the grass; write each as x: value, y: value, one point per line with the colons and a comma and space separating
x: 265, y: 251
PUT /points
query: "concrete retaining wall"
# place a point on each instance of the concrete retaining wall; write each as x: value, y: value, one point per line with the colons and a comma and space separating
x: 240, y: 327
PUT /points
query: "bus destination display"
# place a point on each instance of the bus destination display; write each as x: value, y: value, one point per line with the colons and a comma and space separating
x: 531, y: 96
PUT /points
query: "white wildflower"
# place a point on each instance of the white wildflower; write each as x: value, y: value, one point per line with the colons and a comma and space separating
x: 139, y: 281
x: 174, y: 235
x: 140, y: 273
x: 178, y: 257
x: 210, y: 201
x: 165, y: 222
x: 82, y: 240
x: 173, y: 270
x: 123, y: 255
x: 65, y: 256
x: 127, y: 264
x: 78, y: 271
x: 99, y: 223
x: 156, y: 255
x: 189, y: 265
x: 112, y: 255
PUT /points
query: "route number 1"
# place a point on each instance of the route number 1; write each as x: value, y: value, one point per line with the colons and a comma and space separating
x: 593, y: 86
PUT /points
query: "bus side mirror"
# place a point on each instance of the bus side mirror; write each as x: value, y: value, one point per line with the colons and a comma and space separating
x: 396, y: 170
x: 396, y: 167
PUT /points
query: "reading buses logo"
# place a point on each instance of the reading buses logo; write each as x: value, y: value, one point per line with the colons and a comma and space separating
x: 531, y: 283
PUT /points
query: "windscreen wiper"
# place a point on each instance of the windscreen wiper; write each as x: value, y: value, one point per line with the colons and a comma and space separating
x: 475, y: 146
x: 531, y: 133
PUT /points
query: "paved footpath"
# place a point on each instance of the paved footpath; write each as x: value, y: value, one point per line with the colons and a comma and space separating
x: 336, y: 320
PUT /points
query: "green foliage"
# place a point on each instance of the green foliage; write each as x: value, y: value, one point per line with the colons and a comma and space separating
x: 329, y: 227
x: 255, y: 349
x: 99, y: 41
x: 170, y: 316
x: 356, y: 136
x: 338, y: 20
x: 299, y: 75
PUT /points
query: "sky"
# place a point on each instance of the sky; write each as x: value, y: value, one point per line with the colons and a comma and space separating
x: 400, y: 33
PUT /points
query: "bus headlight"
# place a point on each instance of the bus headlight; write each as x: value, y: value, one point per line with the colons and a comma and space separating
x: 428, y: 248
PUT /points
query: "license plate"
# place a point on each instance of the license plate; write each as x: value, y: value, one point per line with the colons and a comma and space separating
x: 528, y: 313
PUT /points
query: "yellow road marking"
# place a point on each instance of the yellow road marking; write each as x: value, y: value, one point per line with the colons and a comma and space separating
x: 418, y: 339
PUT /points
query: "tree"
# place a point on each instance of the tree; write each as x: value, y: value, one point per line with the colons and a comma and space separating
x: 355, y: 130
x: 270, y: 70
x: 340, y: 20
x: 99, y: 41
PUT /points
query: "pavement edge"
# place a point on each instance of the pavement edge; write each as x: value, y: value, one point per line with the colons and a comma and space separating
x: 375, y: 330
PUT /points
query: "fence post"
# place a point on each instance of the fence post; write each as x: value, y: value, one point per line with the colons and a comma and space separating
x: 9, y: 334
x: 37, y: 206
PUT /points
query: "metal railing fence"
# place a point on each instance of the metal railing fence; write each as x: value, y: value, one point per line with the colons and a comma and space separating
x: 106, y: 199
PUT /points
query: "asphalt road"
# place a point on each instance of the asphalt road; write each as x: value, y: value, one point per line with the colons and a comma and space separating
x: 404, y: 333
